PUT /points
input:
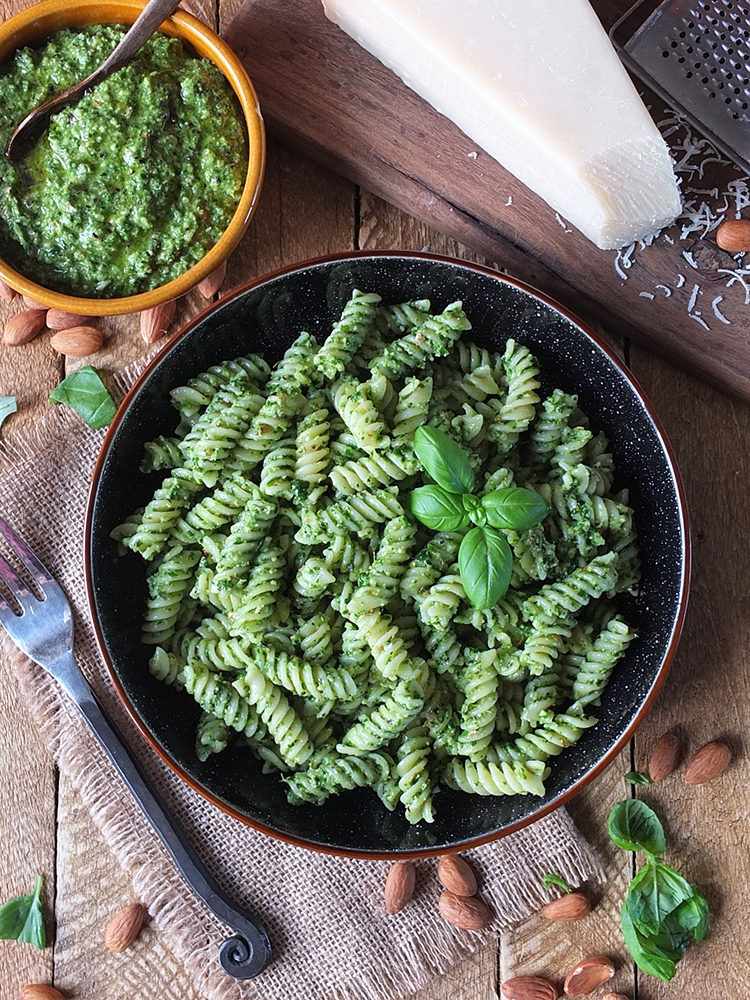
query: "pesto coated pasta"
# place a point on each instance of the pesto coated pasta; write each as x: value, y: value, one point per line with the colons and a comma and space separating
x: 319, y: 625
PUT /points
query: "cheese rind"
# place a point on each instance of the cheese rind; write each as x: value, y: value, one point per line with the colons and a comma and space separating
x: 537, y: 84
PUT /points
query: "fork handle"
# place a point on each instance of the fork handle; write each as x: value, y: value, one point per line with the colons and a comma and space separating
x: 248, y: 951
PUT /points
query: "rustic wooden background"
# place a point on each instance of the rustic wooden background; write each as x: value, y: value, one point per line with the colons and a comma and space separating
x: 305, y: 210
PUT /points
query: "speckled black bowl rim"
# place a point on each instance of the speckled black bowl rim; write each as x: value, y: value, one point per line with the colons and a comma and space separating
x: 675, y: 511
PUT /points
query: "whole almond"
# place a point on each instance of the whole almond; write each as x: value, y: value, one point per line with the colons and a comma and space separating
x: 155, y: 322
x: 399, y: 885
x: 708, y: 762
x: 456, y: 874
x: 528, y: 988
x: 6, y: 292
x: 466, y: 912
x: 665, y: 756
x: 78, y: 341
x: 58, y: 319
x: 213, y: 282
x: 571, y: 906
x: 23, y: 327
x: 125, y: 927
x: 33, y: 303
x: 588, y: 974
x: 40, y: 991
x: 734, y: 235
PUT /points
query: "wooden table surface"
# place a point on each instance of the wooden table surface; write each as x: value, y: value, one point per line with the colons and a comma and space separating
x: 306, y: 211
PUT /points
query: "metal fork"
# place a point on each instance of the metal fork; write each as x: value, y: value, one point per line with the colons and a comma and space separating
x: 44, y: 631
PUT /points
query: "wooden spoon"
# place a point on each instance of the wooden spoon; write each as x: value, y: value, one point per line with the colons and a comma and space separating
x: 35, y: 124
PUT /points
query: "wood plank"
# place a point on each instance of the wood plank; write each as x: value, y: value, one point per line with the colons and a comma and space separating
x: 706, y: 695
x: 358, y: 119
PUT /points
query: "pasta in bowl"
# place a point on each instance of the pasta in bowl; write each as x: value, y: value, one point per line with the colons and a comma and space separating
x: 345, y: 687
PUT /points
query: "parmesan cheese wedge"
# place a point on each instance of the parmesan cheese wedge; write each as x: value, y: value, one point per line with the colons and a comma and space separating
x: 537, y: 84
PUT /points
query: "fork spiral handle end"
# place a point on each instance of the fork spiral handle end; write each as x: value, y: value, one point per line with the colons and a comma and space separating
x: 242, y: 958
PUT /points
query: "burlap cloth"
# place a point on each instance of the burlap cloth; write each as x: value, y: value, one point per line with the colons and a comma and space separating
x: 331, y: 935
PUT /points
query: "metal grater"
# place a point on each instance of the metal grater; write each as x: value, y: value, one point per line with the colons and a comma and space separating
x: 696, y: 56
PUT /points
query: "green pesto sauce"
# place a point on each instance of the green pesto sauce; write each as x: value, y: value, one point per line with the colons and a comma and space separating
x: 134, y: 184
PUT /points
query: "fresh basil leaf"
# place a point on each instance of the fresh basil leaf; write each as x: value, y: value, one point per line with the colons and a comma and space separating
x: 515, y: 508
x: 21, y: 919
x: 634, y: 826
x: 655, y: 892
x: 651, y: 954
x: 637, y: 778
x: 474, y: 509
x: 444, y: 460
x: 85, y: 392
x: 484, y: 562
x: 438, y: 509
x: 8, y: 405
x: 692, y: 915
x: 549, y: 880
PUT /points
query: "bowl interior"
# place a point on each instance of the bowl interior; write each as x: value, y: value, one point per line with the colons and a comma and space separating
x: 267, y: 316
x: 36, y: 23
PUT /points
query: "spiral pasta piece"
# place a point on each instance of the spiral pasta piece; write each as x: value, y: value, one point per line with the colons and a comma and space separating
x: 479, y: 709
x: 161, y: 513
x: 348, y: 333
x: 218, y: 697
x: 414, y: 783
x: 432, y: 339
x: 168, y: 587
x: 390, y: 718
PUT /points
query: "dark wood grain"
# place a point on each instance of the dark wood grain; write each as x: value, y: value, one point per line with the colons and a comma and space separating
x: 324, y: 95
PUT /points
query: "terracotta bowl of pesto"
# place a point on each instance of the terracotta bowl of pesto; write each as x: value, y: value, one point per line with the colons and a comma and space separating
x: 266, y: 316
x: 147, y: 186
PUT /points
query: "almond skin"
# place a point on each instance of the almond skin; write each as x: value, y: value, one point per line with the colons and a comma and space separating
x: 456, y: 874
x: 23, y: 327
x: 588, y: 974
x: 125, y: 927
x: 6, y: 292
x: 528, y: 988
x: 571, y: 906
x: 58, y: 319
x: 466, y: 912
x: 40, y: 991
x: 155, y: 322
x: 78, y: 341
x: 665, y: 756
x: 734, y: 235
x: 33, y: 303
x: 708, y: 762
x: 213, y: 282
x: 399, y: 885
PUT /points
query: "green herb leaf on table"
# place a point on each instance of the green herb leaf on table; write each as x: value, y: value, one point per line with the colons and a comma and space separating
x: 85, y: 392
x: 8, y: 405
x: 638, y: 778
x: 655, y: 892
x: 634, y: 826
x: 662, y: 909
x: 443, y: 460
x: 692, y: 915
x: 514, y: 508
x: 485, y: 562
x: 549, y: 880
x: 22, y: 919
x: 656, y: 956
x: 438, y: 509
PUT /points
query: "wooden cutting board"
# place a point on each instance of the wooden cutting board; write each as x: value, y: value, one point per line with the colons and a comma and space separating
x: 681, y: 296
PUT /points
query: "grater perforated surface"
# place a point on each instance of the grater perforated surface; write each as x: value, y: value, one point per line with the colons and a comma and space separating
x: 696, y: 55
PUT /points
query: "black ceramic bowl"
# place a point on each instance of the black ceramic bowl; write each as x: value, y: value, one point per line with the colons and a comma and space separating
x: 266, y: 315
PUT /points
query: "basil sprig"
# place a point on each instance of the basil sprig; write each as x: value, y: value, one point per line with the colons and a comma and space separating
x: 485, y: 560
x: 21, y: 918
x: 662, y: 909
